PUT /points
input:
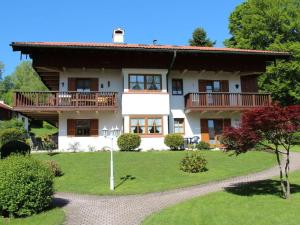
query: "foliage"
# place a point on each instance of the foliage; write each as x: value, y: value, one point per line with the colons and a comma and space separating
x: 26, y: 186
x: 14, y: 147
x: 11, y: 134
x: 13, y: 123
x: 24, y: 78
x: 129, y: 142
x: 272, y: 127
x: 174, y: 141
x: 1, y: 70
x: 202, y: 145
x: 54, y: 167
x: 193, y: 163
x: 200, y: 38
x: 296, y: 138
x: 271, y: 25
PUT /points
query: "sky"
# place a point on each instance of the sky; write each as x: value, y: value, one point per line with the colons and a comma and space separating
x: 169, y: 21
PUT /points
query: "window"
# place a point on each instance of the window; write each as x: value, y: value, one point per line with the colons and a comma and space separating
x: 146, y: 125
x: 144, y: 82
x: 82, y: 127
x: 179, y: 126
x: 177, y: 87
x: 83, y: 85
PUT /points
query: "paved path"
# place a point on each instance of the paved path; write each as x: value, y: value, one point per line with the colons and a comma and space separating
x: 132, y: 209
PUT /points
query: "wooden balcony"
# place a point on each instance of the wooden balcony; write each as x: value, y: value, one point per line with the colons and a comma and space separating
x: 203, y: 101
x: 65, y: 101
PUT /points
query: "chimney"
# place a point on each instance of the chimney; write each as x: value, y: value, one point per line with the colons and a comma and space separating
x: 118, y: 36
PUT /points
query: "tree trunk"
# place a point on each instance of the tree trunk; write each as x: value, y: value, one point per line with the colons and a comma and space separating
x: 286, y: 171
x: 283, y: 189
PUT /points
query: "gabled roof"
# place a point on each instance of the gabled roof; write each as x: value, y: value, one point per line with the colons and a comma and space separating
x: 17, y: 46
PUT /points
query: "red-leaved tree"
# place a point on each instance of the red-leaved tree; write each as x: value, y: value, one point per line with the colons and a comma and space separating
x: 274, y: 129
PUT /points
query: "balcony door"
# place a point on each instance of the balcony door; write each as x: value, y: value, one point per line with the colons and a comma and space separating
x: 213, y: 89
x: 248, y: 85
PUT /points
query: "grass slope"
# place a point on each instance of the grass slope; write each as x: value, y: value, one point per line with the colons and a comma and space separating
x: 141, y: 172
x: 258, y: 203
x: 51, y: 217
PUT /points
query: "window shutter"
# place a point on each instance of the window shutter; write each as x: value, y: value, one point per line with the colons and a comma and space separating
x: 94, y: 84
x: 224, y: 86
x: 72, y: 84
x: 94, y: 127
x: 202, y: 85
x: 204, y: 130
x: 227, y: 123
x: 71, y: 127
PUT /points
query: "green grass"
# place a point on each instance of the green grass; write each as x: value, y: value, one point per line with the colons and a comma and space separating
x: 51, y: 217
x: 258, y: 203
x: 142, y: 172
x: 296, y: 148
x: 44, y: 131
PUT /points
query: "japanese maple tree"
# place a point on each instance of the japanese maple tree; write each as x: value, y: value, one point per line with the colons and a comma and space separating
x: 274, y: 129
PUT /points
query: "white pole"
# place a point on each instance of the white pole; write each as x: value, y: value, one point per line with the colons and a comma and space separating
x: 112, y: 183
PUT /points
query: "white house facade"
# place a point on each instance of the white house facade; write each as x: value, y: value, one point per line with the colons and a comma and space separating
x: 145, y: 89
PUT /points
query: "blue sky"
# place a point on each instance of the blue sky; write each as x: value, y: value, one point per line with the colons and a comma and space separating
x: 170, y: 22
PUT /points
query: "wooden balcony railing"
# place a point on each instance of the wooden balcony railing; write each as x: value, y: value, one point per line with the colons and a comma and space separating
x: 216, y: 100
x: 60, y: 100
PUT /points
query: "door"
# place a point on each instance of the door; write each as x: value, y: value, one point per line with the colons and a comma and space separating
x: 212, y: 88
x: 212, y: 130
x: 248, y: 85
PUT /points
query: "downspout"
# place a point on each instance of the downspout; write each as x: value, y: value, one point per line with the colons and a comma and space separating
x: 167, y: 79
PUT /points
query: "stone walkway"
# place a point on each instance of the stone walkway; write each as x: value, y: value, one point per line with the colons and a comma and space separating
x: 132, y: 209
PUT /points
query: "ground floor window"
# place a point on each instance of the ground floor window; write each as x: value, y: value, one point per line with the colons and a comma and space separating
x: 179, y: 125
x: 146, y: 125
x: 83, y: 127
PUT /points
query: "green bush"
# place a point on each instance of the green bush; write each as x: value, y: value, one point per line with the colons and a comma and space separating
x: 193, y: 163
x: 13, y: 123
x: 296, y: 138
x: 26, y: 186
x: 14, y: 147
x: 129, y: 142
x: 202, y: 145
x: 12, y: 134
x: 174, y: 141
x: 54, y: 167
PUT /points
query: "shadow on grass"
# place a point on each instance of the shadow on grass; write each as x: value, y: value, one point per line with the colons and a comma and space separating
x: 124, y: 179
x: 265, y: 187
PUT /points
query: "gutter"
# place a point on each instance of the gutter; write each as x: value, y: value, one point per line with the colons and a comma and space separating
x: 170, y: 68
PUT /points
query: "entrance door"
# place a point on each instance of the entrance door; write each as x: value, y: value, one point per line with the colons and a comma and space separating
x: 212, y: 129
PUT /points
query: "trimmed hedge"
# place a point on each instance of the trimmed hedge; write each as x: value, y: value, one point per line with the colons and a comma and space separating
x: 174, y: 141
x: 202, y: 145
x: 193, y: 163
x: 11, y: 134
x: 26, y: 186
x: 14, y: 147
x: 129, y: 142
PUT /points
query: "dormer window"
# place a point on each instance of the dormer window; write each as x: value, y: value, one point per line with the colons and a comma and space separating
x: 145, y: 82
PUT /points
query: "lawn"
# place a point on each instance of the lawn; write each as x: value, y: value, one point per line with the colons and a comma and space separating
x: 51, y: 217
x: 258, y: 203
x: 142, y: 172
x: 44, y: 131
x: 295, y: 148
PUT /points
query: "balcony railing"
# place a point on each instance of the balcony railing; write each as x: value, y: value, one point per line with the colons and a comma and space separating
x: 65, y: 100
x: 225, y: 100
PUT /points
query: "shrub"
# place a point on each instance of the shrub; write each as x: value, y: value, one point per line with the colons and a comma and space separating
x: 11, y: 134
x: 296, y: 138
x: 54, y: 167
x: 202, y: 145
x: 14, y: 147
x: 13, y: 123
x: 26, y: 186
x: 174, y: 141
x: 129, y: 142
x: 193, y: 163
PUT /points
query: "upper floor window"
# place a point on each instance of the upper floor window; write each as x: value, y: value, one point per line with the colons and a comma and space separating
x: 144, y: 82
x: 83, y: 85
x: 177, y: 87
x: 146, y: 125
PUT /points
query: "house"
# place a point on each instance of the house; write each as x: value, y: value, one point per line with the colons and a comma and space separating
x: 8, y: 113
x: 152, y: 90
